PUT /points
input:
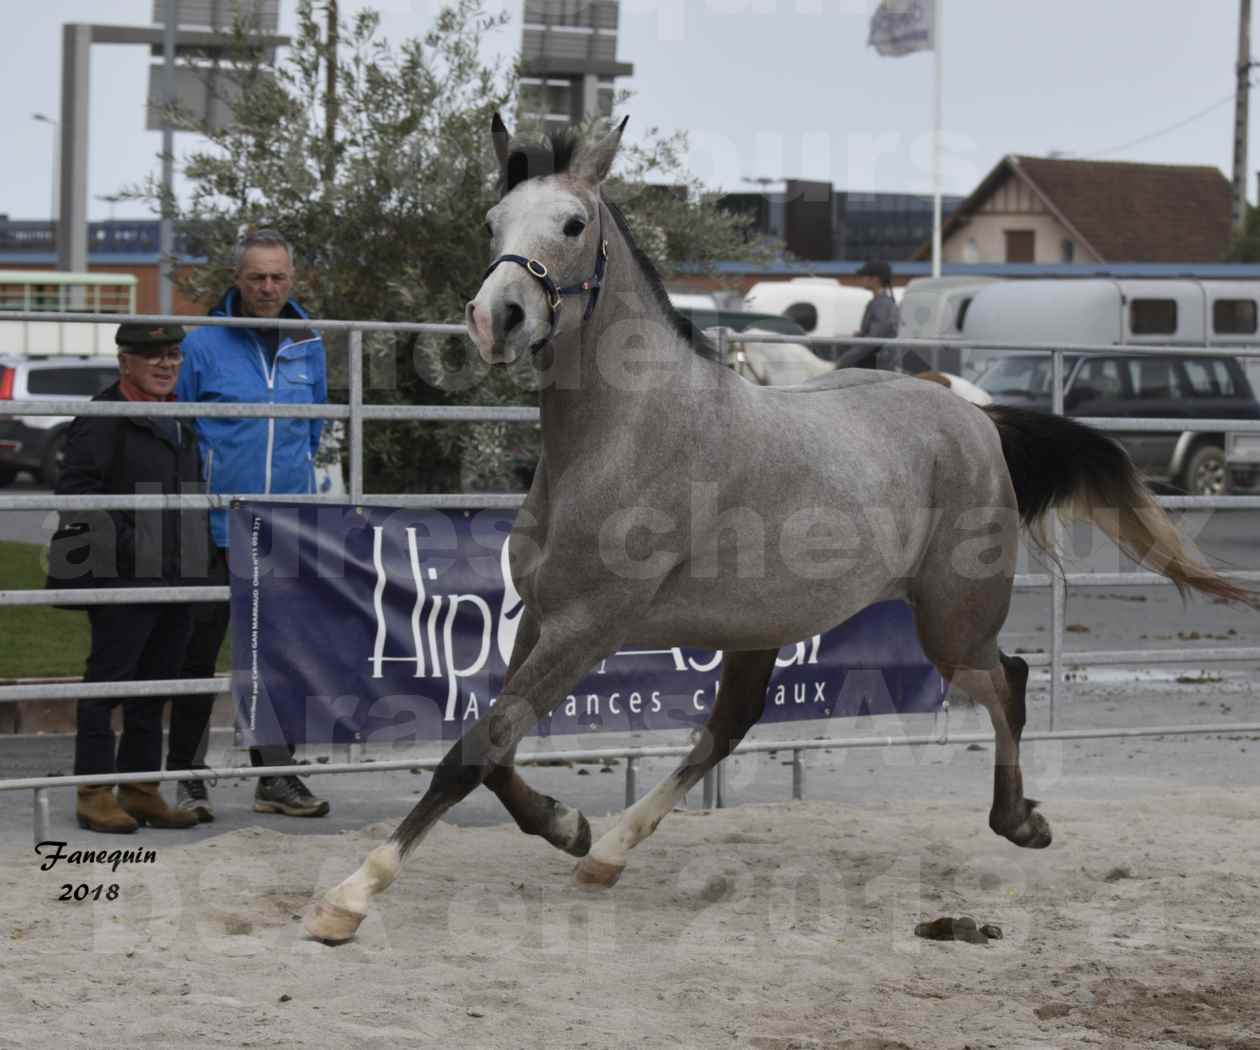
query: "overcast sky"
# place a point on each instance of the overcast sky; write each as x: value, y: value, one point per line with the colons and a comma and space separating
x: 766, y: 89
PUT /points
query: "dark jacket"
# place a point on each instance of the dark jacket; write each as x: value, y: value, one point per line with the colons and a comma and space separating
x: 881, y: 319
x: 138, y: 455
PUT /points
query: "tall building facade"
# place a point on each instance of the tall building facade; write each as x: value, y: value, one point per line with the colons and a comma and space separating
x: 569, y: 61
x: 817, y: 222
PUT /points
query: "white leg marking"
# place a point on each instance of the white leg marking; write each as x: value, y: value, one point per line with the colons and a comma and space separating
x: 375, y: 874
x: 636, y: 823
x: 569, y: 825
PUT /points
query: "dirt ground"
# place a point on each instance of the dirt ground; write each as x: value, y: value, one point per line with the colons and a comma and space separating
x: 771, y: 925
x: 782, y: 926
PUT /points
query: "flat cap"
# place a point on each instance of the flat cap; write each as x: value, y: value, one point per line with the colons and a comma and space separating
x: 145, y: 335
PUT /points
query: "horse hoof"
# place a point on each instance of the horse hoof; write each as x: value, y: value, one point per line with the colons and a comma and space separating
x: 1033, y: 833
x: 331, y: 924
x: 597, y: 873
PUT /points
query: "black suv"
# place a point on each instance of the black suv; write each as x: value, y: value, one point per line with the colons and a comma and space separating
x: 36, y: 443
x: 1166, y: 386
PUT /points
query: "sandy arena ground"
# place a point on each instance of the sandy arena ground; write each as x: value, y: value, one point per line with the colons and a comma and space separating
x: 775, y: 926
x: 772, y: 925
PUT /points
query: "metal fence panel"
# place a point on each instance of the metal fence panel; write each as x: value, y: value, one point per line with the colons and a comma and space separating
x: 357, y: 412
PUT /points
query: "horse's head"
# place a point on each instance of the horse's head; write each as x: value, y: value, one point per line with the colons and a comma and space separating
x: 546, y: 241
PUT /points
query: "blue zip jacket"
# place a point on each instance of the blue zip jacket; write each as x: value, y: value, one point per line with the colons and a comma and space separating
x: 254, y: 455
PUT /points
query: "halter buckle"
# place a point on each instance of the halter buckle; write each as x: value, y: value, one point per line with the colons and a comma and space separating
x: 536, y: 268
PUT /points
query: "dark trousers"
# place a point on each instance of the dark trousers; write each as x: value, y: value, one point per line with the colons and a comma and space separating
x: 190, y: 723
x: 129, y: 643
x: 190, y: 718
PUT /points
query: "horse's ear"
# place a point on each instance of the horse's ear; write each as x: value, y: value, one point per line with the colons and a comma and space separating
x: 593, y: 163
x: 502, y: 139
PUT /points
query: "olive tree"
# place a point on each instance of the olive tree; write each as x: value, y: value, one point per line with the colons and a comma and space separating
x: 374, y: 160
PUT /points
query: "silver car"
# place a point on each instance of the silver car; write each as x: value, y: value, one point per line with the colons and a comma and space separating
x: 36, y: 443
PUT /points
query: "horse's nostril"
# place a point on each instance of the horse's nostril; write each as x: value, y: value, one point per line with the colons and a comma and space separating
x: 515, y: 317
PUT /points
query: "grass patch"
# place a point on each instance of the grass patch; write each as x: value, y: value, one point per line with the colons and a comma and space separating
x: 38, y: 640
x: 1202, y: 678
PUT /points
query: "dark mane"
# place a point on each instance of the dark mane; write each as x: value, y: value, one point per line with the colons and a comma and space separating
x: 687, y: 331
x: 536, y: 160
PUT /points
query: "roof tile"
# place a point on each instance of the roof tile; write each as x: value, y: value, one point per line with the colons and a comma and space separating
x: 1139, y: 212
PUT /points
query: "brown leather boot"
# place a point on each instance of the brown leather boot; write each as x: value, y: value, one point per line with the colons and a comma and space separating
x: 97, y: 810
x: 145, y: 803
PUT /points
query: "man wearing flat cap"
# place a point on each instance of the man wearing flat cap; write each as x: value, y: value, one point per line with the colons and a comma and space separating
x: 137, y: 641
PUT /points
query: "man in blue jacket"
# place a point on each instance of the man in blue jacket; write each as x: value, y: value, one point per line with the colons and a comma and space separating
x: 247, y: 456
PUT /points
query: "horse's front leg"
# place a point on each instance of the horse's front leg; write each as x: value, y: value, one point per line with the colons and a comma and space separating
x: 535, y: 813
x: 558, y: 659
x: 740, y: 700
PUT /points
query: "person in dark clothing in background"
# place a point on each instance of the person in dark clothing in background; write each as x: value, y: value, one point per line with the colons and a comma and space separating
x: 250, y: 456
x: 880, y: 320
x: 133, y: 642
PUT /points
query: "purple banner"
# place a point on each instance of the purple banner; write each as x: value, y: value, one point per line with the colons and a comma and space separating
x: 395, y: 626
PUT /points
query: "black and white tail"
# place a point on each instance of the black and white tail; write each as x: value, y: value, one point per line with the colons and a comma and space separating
x: 1059, y: 464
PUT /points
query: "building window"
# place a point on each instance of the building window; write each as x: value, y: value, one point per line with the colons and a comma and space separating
x: 1021, y: 246
x: 1234, y: 317
x: 1068, y: 253
x: 1153, y: 316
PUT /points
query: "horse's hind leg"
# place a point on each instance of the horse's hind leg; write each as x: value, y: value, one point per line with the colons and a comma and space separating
x: 740, y: 700
x: 1001, y: 690
x: 535, y: 813
x: 961, y: 595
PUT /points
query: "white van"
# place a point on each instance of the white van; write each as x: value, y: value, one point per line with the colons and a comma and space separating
x: 935, y: 308
x: 822, y: 306
x: 1113, y: 312
x: 1120, y: 312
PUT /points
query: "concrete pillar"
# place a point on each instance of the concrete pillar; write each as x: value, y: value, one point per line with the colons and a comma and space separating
x: 590, y: 96
x: 72, y: 232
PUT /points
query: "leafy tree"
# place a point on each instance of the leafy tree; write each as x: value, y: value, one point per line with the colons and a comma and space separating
x: 375, y: 162
x: 1245, y: 247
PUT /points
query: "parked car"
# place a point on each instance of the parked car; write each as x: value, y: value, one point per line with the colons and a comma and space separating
x: 740, y: 320
x: 1242, y: 459
x: 36, y: 443
x: 1168, y: 386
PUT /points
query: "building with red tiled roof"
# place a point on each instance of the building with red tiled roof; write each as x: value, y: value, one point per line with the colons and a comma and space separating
x: 1053, y: 210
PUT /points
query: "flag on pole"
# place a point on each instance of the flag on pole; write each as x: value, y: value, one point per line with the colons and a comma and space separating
x: 901, y: 27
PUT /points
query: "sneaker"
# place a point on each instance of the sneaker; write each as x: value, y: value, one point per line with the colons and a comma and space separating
x: 287, y: 795
x: 192, y: 795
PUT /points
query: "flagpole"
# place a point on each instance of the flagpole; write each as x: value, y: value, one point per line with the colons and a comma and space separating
x: 937, y: 62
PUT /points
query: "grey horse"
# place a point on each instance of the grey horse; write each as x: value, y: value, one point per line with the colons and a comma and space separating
x: 678, y: 504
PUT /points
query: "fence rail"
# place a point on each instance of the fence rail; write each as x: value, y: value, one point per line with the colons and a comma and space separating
x: 356, y: 412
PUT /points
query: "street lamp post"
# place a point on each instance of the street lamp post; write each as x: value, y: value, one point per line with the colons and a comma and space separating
x: 56, y: 168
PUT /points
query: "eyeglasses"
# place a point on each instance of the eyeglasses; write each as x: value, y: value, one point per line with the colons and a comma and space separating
x: 173, y: 356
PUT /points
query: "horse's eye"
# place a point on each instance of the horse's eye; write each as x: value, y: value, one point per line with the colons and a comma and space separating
x: 573, y: 227
x: 489, y: 231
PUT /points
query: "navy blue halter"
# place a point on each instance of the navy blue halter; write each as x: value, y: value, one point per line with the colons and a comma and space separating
x: 556, y: 296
